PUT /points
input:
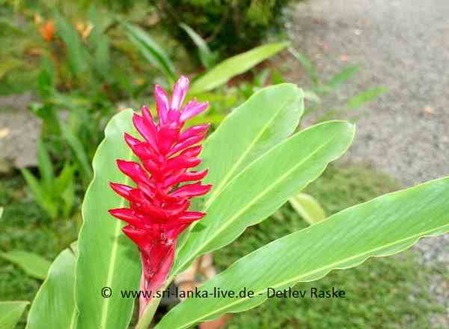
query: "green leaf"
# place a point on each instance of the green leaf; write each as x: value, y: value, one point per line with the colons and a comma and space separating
x: 65, y: 185
x: 41, y: 195
x: 235, y: 65
x: 343, y: 76
x: 54, y: 304
x: 45, y: 165
x: 380, y: 227
x: 102, y: 57
x: 10, y: 313
x: 308, y: 208
x: 78, y: 149
x: 107, y: 258
x: 77, y: 57
x: 261, y: 188
x: 151, y: 50
x: 33, y: 264
x: 365, y: 97
x: 206, y: 56
x: 264, y: 120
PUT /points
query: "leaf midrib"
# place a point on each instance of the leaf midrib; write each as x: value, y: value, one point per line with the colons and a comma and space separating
x: 326, y: 269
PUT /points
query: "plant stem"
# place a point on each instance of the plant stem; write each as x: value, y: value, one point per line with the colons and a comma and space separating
x: 148, y: 314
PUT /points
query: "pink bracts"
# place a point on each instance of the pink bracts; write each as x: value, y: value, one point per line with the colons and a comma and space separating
x: 159, y: 202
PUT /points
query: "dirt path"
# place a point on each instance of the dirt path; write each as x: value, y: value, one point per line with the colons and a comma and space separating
x: 404, y: 46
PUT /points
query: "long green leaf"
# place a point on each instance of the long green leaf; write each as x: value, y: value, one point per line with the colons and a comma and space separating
x: 380, y: 227
x: 151, y: 50
x: 107, y: 258
x: 235, y: 65
x: 10, y: 313
x: 365, y: 97
x: 264, y: 120
x: 79, y: 151
x: 33, y: 264
x: 65, y: 185
x: 54, y: 304
x: 77, y: 56
x: 265, y: 185
x: 342, y: 76
x: 45, y: 166
x: 40, y: 194
x: 206, y: 56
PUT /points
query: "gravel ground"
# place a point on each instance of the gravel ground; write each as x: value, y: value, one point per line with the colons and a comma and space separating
x: 19, y: 132
x: 404, y: 46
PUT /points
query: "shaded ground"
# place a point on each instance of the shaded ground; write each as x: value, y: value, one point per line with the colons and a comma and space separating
x: 404, y: 46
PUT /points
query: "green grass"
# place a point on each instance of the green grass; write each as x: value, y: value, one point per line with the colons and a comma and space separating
x: 382, y: 293
x: 25, y: 226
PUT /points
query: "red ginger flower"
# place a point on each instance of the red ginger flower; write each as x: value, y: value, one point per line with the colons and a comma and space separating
x: 158, y: 204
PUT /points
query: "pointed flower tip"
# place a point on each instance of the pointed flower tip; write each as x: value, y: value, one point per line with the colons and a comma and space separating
x: 179, y: 93
x: 130, y: 140
x: 183, y: 80
x: 158, y: 89
x: 146, y: 111
x: 113, y: 185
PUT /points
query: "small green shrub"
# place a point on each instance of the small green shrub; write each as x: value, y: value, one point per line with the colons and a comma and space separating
x: 228, y: 26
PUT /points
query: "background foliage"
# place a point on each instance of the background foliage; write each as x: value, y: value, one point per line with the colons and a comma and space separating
x: 228, y: 26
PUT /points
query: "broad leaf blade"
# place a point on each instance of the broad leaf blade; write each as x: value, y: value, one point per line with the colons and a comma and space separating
x: 10, y: 313
x: 265, y: 185
x: 54, y: 304
x: 107, y: 258
x: 264, y: 120
x: 380, y: 227
x: 308, y: 208
x: 234, y: 66
x: 33, y: 264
